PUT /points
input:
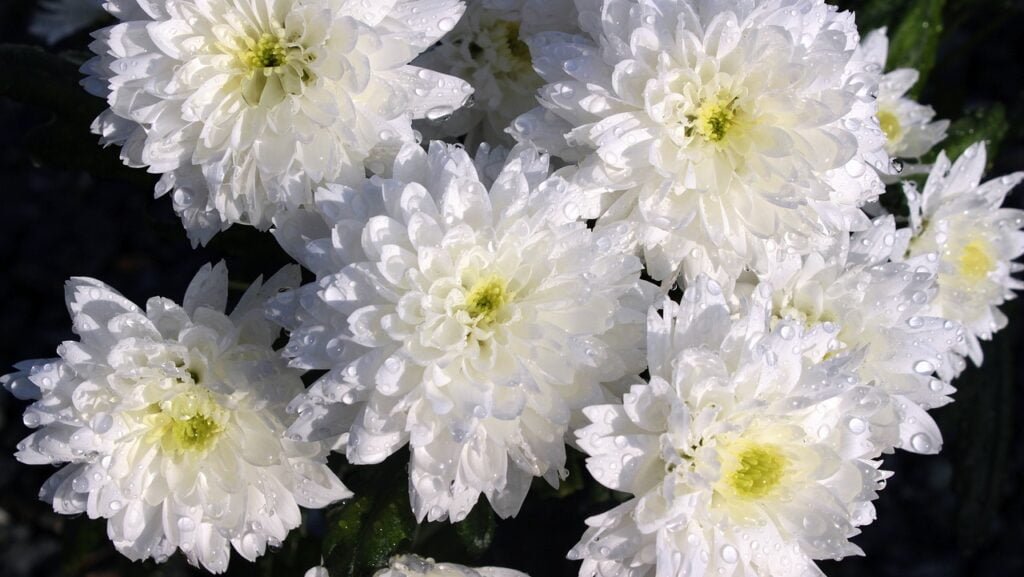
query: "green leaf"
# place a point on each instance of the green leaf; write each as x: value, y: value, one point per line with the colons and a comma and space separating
x: 476, y: 531
x: 365, y: 531
x: 463, y: 542
x: 874, y: 13
x: 986, y: 123
x: 915, y: 41
x: 982, y: 449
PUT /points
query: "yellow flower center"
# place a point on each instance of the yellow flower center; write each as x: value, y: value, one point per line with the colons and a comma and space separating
x: 272, y: 66
x: 714, y: 119
x: 890, y: 124
x: 486, y: 299
x: 756, y: 471
x: 976, y: 262
x: 189, y: 423
x: 267, y: 52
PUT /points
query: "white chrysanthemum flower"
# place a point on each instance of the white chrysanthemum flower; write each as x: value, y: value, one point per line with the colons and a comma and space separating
x: 171, y: 422
x: 746, y: 453
x: 471, y: 324
x: 319, y: 571
x: 976, y: 240
x: 414, y: 566
x: 731, y: 127
x: 883, y: 314
x: 58, y: 19
x: 268, y: 98
x: 486, y: 48
x: 908, y: 127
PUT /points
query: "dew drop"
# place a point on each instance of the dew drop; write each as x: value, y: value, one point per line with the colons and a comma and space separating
x: 80, y: 485
x: 102, y: 423
x: 920, y: 442
x: 924, y: 367
x: 729, y: 554
x: 823, y: 431
x: 856, y: 425
x: 571, y: 210
x: 439, y: 112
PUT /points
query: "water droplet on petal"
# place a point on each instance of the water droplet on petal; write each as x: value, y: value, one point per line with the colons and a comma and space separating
x: 729, y: 554
x: 920, y: 442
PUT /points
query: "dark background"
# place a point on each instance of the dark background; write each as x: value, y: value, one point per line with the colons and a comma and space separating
x: 957, y: 514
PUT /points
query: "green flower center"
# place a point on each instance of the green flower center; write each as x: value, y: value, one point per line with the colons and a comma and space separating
x: 511, y: 55
x: 194, y: 433
x: 758, y: 470
x: 272, y: 67
x: 267, y: 52
x: 517, y: 48
x: 714, y: 119
x: 191, y: 422
x: 486, y: 299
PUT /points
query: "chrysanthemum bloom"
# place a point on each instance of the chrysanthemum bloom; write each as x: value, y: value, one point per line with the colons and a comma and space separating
x: 747, y: 453
x: 171, y: 420
x: 470, y: 324
x: 267, y: 98
x: 963, y: 222
x: 883, y: 313
x: 413, y: 566
x: 488, y: 49
x: 730, y: 128
x: 908, y: 127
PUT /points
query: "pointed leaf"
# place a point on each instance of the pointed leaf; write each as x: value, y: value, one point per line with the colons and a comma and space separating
x: 915, y: 41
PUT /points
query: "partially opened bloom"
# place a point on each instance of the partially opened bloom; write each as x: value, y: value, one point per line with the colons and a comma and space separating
x: 168, y: 422
x: 976, y: 239
x: 882, y: 311
x: 908, y: 126
x: 747, y: 453
x: 487, y: 49
x: 472, y: 324
x: 413, y: 566
x: 266, y: 98
x: 725, y: 131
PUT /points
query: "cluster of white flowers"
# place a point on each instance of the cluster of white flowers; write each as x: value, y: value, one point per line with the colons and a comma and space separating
x: 487, y: 311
